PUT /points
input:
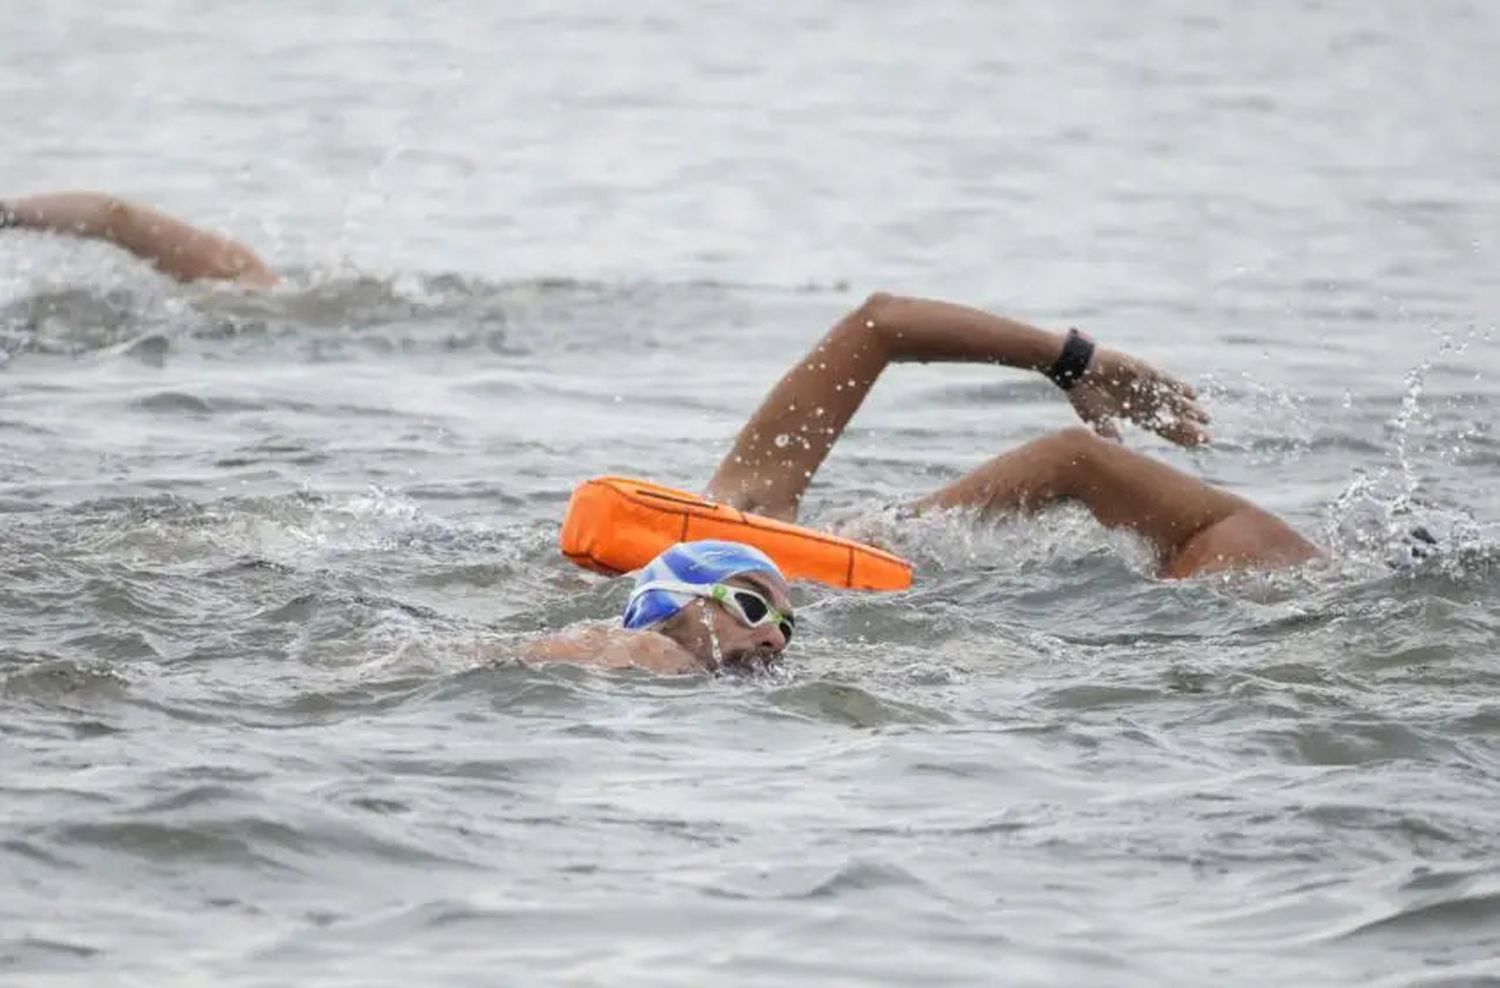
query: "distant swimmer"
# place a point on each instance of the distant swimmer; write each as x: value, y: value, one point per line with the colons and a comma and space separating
x: 175, y: 248
x: 729, y: 600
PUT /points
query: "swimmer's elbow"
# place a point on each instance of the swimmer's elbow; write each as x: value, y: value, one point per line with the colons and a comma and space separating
x: 879, y: 315
x: 876, y: 308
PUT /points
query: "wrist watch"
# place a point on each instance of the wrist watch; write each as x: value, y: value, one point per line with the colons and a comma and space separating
x: 1069, y: 368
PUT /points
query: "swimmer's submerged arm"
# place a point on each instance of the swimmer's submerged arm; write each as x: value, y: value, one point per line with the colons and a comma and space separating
x: 611, y: 648
x: 783, y: 444
x: 175, y: 248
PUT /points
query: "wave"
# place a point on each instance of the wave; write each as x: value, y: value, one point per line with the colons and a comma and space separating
x: 454, y: 311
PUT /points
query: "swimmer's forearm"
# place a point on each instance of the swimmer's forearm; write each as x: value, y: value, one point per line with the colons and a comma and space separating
x: 926, y: 330
x: 174, y: 247
x: 83, y: 214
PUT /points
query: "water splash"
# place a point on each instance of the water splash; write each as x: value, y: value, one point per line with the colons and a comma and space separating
x: 1389, y: 513
x: 716, y: 654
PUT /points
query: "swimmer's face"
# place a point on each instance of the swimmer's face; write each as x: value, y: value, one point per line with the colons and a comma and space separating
x: 740, y: 647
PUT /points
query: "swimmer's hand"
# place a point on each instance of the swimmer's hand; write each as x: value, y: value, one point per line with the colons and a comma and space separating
x: 1118, y: 386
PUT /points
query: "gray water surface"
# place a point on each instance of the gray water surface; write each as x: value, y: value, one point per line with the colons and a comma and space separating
x: 264, y: 559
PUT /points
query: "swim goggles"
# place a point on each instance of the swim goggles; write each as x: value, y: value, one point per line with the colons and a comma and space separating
x: 748, y: 607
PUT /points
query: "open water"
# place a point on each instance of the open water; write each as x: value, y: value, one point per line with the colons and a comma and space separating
x: 263, y: 558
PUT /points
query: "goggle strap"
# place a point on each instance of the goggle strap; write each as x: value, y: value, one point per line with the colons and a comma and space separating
x: 672, y: 586
x: 711, y: 591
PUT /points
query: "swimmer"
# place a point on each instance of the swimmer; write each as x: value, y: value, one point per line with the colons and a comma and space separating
x: 173, y: 247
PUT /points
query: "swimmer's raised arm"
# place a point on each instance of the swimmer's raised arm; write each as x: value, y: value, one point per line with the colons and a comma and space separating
x: 783, y: 444
x: 175, y: 248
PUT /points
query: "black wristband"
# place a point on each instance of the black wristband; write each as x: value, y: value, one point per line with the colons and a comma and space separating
x: 1071, y: 364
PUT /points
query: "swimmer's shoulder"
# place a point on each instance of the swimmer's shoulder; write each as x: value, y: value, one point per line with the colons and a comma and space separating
x: 607, y: 645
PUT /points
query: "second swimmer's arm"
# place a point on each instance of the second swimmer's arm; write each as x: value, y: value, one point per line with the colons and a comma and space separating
x: 174, y: 247
x: 783, y: 444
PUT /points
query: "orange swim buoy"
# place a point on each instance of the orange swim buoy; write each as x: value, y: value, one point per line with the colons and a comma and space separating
x: 617, y: 524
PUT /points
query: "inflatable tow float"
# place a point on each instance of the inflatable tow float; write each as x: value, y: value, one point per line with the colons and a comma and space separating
x: 616, y: 524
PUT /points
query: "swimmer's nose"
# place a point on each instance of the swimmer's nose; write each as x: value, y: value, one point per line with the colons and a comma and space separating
x: 771, y: 639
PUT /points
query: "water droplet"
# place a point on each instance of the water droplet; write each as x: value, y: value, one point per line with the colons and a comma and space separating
x: 715, y: 652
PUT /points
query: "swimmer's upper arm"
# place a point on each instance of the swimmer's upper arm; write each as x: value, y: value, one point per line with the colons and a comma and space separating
x: 778, y: 450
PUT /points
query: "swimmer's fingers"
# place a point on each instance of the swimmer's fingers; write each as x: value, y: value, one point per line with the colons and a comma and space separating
x: 1177, y: 421
x: 1108, y: 429
x: 1175, y: 413
x: 1182, y: 396
x: 1095, y: 407
x: 1119, y: 386
x: 1173, y: 384
x: 1182, y: 432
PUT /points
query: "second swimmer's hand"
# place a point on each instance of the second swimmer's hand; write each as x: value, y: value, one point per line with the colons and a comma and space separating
x: 1118, y: 386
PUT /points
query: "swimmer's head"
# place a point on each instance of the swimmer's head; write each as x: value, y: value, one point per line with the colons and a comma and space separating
x: 725, y: 602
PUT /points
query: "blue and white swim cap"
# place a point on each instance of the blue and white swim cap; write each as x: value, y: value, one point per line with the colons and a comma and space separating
x: 700, y: 563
